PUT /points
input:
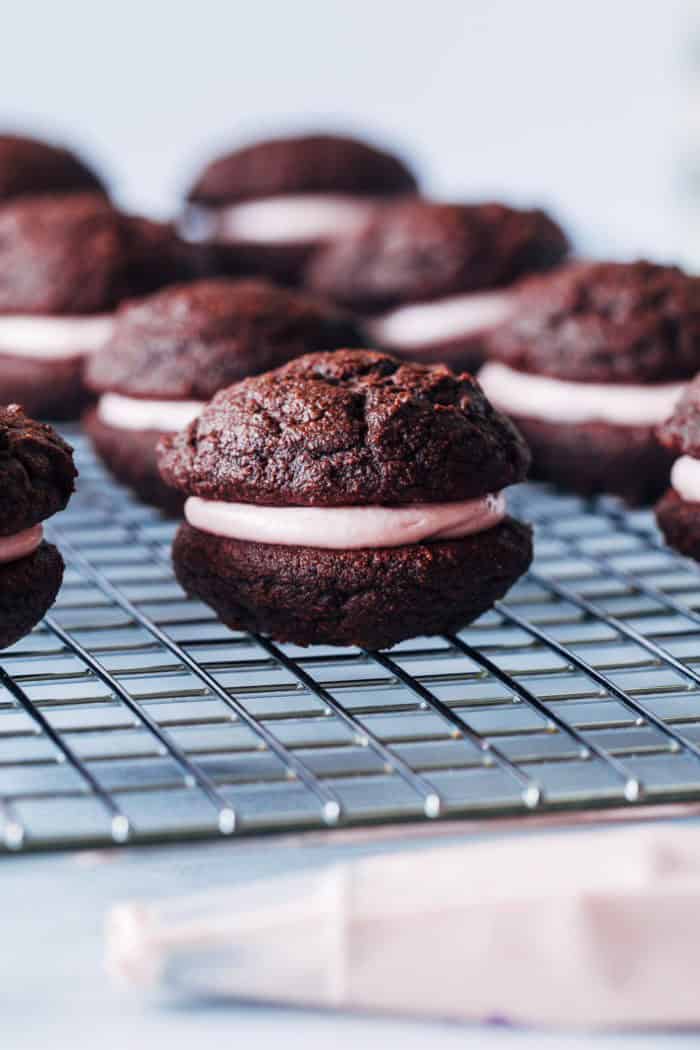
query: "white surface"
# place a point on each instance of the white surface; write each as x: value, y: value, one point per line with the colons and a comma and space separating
x: 579, y: 106
x: 55, y: 994
x: 53, y: 337
x: 346, y: 528
x: 558, y: 401
x: 685, y: 478
x: 132, y: 413
x: 423, y: 323
x: 280, y: 220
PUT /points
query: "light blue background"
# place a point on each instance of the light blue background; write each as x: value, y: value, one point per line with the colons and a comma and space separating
x: 588, y: 107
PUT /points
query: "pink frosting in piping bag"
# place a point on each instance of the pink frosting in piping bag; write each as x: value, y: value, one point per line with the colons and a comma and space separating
x: 346, y: 528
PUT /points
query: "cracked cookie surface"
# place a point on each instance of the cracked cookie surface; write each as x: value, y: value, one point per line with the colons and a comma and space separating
x: 37, y: 473
x: 191, y: 340
x: 604, y: 322
x: 347, y: 428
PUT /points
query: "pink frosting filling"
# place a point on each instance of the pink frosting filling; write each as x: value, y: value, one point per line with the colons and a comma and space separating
x: 12, y: 548
x: 346, y: 528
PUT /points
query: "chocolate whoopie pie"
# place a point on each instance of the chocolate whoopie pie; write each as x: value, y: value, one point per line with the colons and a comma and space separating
x: 66, y: 262
x: 171, y: 352
x: 592, y: 359
x: 678, y: 511
x: 348, y: 498
x: 29, y: 167
x: 268, y: 206
x: 435, y: 276
x: 36, y: 480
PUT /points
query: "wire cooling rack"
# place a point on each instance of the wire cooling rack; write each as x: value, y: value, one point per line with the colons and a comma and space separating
x: 132, y: 715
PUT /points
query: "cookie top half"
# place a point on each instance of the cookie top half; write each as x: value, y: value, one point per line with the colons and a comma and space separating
x: 37, y: 472
x: 77, y: 254
x: 349, y: 428
x: 29, y: 166
x: 413, y: 250
x: 303, y: 164
x: 191, y: 340
x: 604, y: 322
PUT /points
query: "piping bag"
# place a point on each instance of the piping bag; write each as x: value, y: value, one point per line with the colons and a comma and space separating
x: 594, y: 929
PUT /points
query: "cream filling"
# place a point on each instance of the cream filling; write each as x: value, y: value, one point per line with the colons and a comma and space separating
x: 685, y: 478
x: 22, y: 544
x: 346, y: 528
x: 132, y: 413
x: 289, y: 219
x: 419, y: 324
x: 53, y: 337
x: 560, y: 401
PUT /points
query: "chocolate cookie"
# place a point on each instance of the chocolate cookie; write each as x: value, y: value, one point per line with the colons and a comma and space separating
x: 370, y: 598
x: 130, y: 456
x: 679, y: 521
x: 266, y: 208
x: 76, y: 255
x: 37, y: 478
x: 189, y: 341
x: 47, y: 389
x: 346, y: 429
x: 411, y: 456
x: 604, y: 322
x: 418, y: 264
x: 595, y: 457
x: 678, y: 512
x: 305, y: 164
x: 592, y: 359
x: 29, y: 167
x: 171, y: 352
x: 65, y: 264
x: 37, y: 473
x: 28, y: 589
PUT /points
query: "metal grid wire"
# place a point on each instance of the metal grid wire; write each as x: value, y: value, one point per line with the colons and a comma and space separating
x: 132, y: 715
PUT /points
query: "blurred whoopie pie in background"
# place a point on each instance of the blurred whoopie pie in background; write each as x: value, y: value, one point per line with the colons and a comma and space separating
x: 435, y: 277
x: 171, y: 352
x: 591, y: 360
x: 678, y: 511
x: 29, y: 167
x: 268, y: 206
x: 66, y: 262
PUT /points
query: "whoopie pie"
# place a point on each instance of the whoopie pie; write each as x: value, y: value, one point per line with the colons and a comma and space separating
x: 348, y: 499
x: 268, y: 206
x: 592, y: 359
x: 66, y: 262
x: 436, y: 277
x: 678, y: 510
x: 37, y: 477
